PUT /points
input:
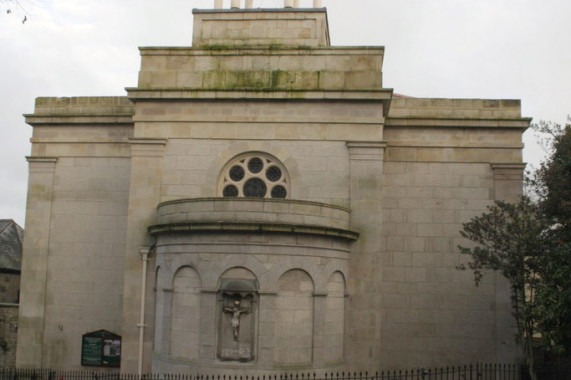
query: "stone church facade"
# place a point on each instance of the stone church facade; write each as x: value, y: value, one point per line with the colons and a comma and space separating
x: 260, y: 203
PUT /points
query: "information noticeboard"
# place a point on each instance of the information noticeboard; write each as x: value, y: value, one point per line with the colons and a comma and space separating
x: 101, y: 349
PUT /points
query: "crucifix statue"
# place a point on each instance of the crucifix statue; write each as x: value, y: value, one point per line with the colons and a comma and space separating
x: 236, y: 311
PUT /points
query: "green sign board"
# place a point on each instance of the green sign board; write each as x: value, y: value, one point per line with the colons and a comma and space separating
x: 101, y: 349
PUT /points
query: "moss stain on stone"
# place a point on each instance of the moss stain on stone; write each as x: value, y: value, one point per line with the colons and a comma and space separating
x: 275, y: 78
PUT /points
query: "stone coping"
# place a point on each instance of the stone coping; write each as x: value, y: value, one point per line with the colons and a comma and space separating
x: 261, y: 10
x: 271, y: 50
x: 253, y: 215
x: 382, y: 95
x: 469, y: 121
x: 224, y: 227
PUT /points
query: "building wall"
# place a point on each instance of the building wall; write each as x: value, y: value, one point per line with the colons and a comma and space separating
x: 8, y: 335
x: 428, y: 305
x: 73, y: 253
x: 9, y: 287
x: 117, y: 180
x: 85, y: 265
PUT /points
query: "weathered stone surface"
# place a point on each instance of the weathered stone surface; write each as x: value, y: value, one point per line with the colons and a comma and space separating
x: 355, y: 270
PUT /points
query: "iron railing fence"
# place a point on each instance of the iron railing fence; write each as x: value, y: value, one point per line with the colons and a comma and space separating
x: 467, y: 372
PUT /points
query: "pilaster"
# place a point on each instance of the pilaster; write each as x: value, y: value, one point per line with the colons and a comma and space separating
x: 35, y: 262
x: 364, y: 336
x: 144, y: 196
x: 319, y: 310
x: 208, y: 326
x: 508, y: 181
x: 266, y: 330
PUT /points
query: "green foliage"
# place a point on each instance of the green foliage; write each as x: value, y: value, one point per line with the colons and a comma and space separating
x: 529, y: 243
x: 510, y: 238
x: 552, y: 185
x: 507, y: 235
x: 551, y: 306
x: 552, y: 181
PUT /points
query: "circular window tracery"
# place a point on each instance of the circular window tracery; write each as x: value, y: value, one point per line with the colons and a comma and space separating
x: 254, y: 175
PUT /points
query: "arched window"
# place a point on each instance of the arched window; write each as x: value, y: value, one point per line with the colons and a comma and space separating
x: 254, y: 175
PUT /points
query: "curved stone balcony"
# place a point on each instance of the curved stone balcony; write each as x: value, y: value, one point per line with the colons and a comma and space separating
x: 253, y: 215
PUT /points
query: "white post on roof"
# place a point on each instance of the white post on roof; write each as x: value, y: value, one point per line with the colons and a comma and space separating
x: 317, y: 4
x: 218, y: 4
x: 249, y: 4
x: 288, y: 3
x: 296, y: 3
x: 235, y: 4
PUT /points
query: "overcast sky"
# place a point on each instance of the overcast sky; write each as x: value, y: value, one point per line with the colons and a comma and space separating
x: 433, y: 48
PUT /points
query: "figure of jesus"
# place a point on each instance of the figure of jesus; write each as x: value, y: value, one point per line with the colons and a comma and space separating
x: 235, y: 320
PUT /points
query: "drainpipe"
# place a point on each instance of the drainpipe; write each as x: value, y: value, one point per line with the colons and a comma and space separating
x: 145, y: 252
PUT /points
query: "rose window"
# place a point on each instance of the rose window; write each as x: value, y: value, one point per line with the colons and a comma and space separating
x: 255, y: 176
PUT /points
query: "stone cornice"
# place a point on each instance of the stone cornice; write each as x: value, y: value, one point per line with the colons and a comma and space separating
x: 210, y: 50
x: 382, y: 95
x: 59, y: 119
x: 431, y: 122
x: 262, y: 227
x: 263, y: 94
x: 253, y: 215
x: 42, y: 159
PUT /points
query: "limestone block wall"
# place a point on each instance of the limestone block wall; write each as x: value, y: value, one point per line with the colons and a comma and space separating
x: 293, y: 290
x: 293, y: 325
x: 77, y: 204
x: 86, y: 253
x: 316, y: 168
x: 307, y: 27
x: 314, y: 296
x: 455, y: 130
x: 278, y: 68
x: 433, y: 313
x: 308, y: 138
x: 442, y: 168
x: 296, y: 277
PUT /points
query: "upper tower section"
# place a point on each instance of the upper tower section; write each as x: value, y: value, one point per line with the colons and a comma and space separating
x: 261, y: 27
x: 262, y: 53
